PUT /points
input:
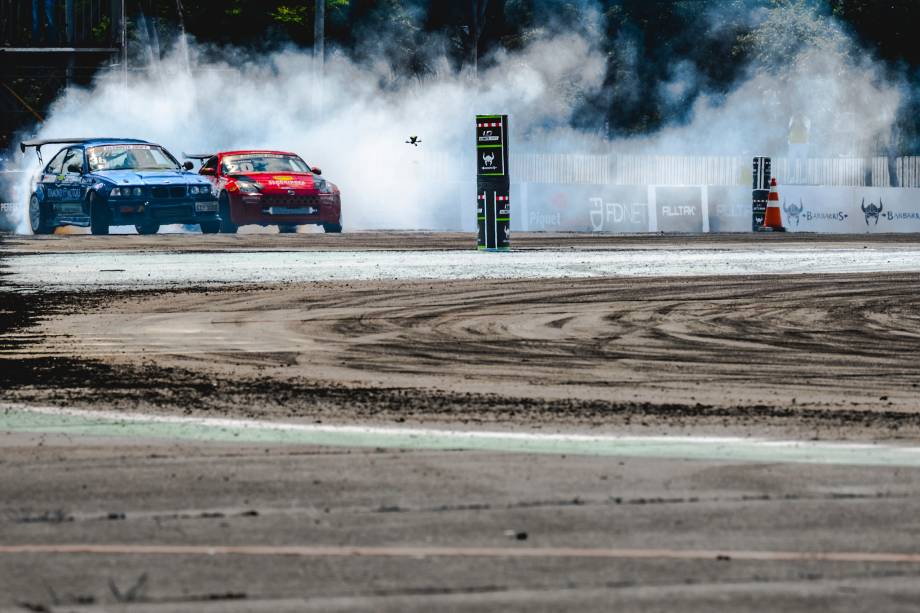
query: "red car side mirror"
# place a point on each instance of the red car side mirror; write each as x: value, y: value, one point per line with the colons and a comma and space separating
x: 207, y: 171
x: 316, y: 171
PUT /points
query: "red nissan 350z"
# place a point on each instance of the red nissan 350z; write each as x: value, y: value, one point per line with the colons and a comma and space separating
x: 270, y: 188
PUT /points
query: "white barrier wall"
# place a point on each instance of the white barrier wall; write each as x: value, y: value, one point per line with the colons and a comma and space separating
x: 622, y: 208
x: 841, y: 209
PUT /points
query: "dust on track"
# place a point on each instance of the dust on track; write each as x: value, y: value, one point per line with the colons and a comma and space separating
x: 806, y: 355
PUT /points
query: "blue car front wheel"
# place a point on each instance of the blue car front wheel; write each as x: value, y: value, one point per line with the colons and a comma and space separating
x: 147, y: 228
x: 39, y: 217
x: 99, y: 215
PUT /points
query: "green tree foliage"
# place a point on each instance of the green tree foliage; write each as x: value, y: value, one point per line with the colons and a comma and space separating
x: 661, y: 54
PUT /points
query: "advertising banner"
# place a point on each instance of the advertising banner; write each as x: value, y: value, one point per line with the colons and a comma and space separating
x: 12, y: 204
x: 679, y: 209
x: 850, y: 209
x: 625, y: 208
x: 729, y: 208
x: 553, y: 207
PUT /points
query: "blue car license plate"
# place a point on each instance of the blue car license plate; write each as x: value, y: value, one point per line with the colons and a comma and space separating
x: 206, y: 207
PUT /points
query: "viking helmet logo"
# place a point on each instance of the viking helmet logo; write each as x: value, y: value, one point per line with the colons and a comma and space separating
x: 871, y: 211
x: 488, y: 159
x: 794, y: 211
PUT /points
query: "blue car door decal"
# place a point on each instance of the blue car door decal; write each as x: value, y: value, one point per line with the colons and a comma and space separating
x: 71, y: 184
x: 50, y: 178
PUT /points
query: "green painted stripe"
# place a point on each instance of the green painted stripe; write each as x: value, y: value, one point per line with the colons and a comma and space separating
x: 102, y: 424
x: 488, y: 116
x: 489, y: 146
x: 492, y: 174
x: 502, y: 219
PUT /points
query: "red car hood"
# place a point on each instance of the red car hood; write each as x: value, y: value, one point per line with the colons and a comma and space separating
x: 279, y: 182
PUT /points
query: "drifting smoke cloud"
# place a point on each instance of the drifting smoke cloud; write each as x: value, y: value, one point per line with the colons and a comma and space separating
x: 803, y: 63
x: 357, y: 135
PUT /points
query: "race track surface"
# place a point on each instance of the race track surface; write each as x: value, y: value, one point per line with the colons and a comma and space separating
x: 794, y: 338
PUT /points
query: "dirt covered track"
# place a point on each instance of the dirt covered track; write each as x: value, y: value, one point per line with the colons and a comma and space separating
x: 826, y: 356
x: 798, y: 352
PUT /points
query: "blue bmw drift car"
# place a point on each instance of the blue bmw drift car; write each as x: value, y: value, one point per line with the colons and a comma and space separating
x: 102, y: 182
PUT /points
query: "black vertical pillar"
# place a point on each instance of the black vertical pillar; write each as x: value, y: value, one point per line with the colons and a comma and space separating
x: 493, y: 202
x: 761, y: 191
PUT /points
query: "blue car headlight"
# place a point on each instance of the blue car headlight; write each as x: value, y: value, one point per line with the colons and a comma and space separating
x: 126, y: 192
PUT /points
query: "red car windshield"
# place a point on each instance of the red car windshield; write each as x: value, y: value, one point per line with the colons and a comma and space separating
x: 262, y: 162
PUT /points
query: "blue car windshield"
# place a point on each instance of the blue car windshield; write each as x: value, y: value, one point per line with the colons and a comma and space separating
x: 130, y: 157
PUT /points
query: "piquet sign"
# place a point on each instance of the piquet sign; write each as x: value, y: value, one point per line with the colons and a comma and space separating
x: 493, y: 194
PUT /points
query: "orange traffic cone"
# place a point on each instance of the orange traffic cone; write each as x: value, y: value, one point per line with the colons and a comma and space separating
x: 773, y: 220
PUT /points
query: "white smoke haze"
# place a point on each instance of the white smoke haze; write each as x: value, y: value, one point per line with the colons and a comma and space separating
x: 803, y: 63
x: 355, y: 123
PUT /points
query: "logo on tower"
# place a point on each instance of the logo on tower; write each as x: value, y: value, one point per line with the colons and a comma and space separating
x: 486, y: 136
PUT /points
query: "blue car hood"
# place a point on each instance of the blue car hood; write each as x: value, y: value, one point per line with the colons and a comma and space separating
x: 151, y: 177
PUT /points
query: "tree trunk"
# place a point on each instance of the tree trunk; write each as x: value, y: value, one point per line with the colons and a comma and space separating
x: 477, y: 14
x: 319, y: 35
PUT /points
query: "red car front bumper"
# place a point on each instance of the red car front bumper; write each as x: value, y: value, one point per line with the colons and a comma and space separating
x: 273, y: 209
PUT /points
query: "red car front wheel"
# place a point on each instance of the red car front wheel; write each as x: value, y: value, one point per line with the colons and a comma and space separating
x: 226, y: 223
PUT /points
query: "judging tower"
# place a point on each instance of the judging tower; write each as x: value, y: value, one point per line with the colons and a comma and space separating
x: 493, y: 193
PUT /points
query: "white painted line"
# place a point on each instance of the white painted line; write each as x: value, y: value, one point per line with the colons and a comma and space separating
x: 218, y: 422
x: 18, y: 418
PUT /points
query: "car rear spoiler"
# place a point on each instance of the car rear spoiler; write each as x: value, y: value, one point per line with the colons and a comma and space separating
x: 39, y: 143
x: 197, y: 156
